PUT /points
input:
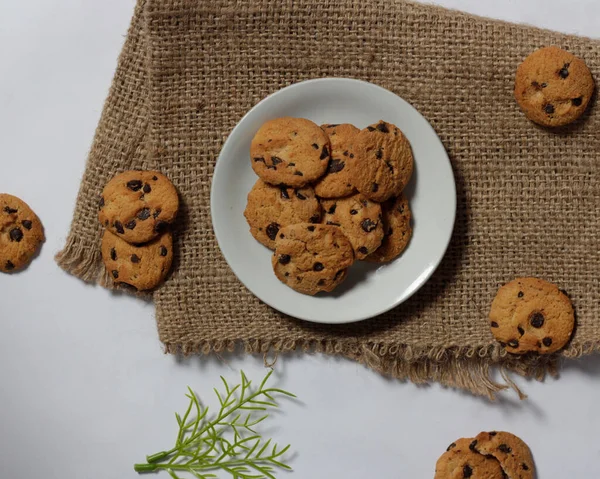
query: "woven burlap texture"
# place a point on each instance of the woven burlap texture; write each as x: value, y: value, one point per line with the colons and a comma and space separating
x: 528, y: 198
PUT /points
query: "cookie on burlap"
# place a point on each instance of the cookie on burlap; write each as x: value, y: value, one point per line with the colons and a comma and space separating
x: 460, y: 461
x: 337, y: 182
x: 530, y: 314
x: 512, y: 453
x: 397, y: 230
x: 383, y: 161
x: 360, y: 220
x: 138, y: 205
x: 290, y: 151
x: 21, y: 233
x: 553, y: 87
x: 142, y: 266
x: 312, y: 258
x: 270, y: 208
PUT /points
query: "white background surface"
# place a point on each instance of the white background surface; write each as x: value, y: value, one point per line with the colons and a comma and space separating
x: 85, y: 389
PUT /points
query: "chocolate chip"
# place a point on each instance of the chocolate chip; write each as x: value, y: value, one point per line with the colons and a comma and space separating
x: 130, y: 225
x: 451, y: 446
x: 284, y: 193
x: 135, y: 258
x: 467, y: 471
x: 143, y: 214
x: 134, y: 185
x: 370, y: 128
x: 147, y: 188
x: 321, y: 282
x: 332, y: 125
x: 564, y: 71
x: 472, y: 445
x: 492, y: 433
x: 9, y: 210
x: 286, y: 274
x: 332, y: 208
x: 315, y: 218
x: 544, y: 85
x: 513, y: 343
x: 163, y: 251
x: 338, y: 274
x: 521, y: 330
x: 311, y: 228
x: 16, y: 234
x: 271, y: 167
x: 494, y: 324
x: 368, y: 225
x: 577, y: 101
x: 276, y: 160
x: 291, y: 164
x: 333, y: 223
x: 536, y: 85
x: 119, y: 227
x: 521, y: 294
x: 27, y: 224
x: 382, y: 127
x: 504, y: 448
x: 318, y: 266
x: 300, y: 196
x: 115, y: 273
x: 282, y: 236
x: 155, y: 178
x: 259, y: 159
x: 353, y: 212
x: 113, y: 254
x: 284, y: 258
x: 161, y: 227
x: 536, y: 320
x: 351, y: 155
x: 336, y: 166
x: 157, y: 213
x: 379, y: 154
x: 345, y: 153
x: 9, y: 265
x: 390, y: 166
x: 374, y: 187
x: 525, y: 467
x: 324, y: 153
x: 547, y: 342
x: 101, y: 202
x: 315, y: 146
x: 548, y: 108
x: 272, y: 231
x: 298, y: 173
x: 363, y: 250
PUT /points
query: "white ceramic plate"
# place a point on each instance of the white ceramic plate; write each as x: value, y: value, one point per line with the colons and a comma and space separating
x: 369, y: 289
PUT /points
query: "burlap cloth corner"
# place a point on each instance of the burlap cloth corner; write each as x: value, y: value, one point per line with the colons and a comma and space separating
x: 528, y: 199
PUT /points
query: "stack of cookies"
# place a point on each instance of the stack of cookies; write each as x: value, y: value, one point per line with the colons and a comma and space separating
x: 327, y: 196
x: 137, y: 209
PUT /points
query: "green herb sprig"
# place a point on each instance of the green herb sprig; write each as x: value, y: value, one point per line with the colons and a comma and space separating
x: 227, y: 442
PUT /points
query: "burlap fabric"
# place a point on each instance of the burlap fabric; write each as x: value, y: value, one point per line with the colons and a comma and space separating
x: 528, y: 199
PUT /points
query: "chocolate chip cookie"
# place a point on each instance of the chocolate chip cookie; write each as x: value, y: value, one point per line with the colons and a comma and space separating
x: 460, y: 461
x: 383, y: 161
x: 290, y: 151
x: 138, y: 205
x: 271, y: 208
x: 553, y: 87
x: 360, y: 220
x: 530, y: 314
x: 142, y: 266
x: 337, y: 182
x: 312, y: 258
x: 397, y: 230
x: 21, y: 233
x: 513, y: 454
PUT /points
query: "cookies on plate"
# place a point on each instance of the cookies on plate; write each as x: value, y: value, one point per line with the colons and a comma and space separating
x: 397, y: 230
x: 530, y: 314
x: 553, y: 87
x: 21, y: 233
x: 138, y: 206
x: 271, y: 208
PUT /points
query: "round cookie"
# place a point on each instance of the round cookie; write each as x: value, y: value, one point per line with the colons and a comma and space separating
x: 460, y: 461
x: 360, y: 220
x: 382, y: 163
x: 138, y: 205
x: 397, y: 230
x: 141, y: 266
x: 270, y: 208
x: 530, y: 314
x: 312, y: 258
x: 21, y: 233
x: 513, y: 454
x: 553, y: 87
x: 290, y: 151
x: 337, y: 182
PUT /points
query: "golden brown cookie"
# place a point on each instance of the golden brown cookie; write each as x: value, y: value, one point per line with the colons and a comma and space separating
x: 138, y: 205
x: 21, y: 233
x: 270, y: 208
x: 360, y: 220
x: 530, y: 314
x: 396, y: 229
x: 290, y: 151
x: 142, y: 266
x: 553, y: 87
x: 383, y: 161
x: 337, y: 182
x: 513, y: 454
x: 461, y: 461
x: 312, y: 258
